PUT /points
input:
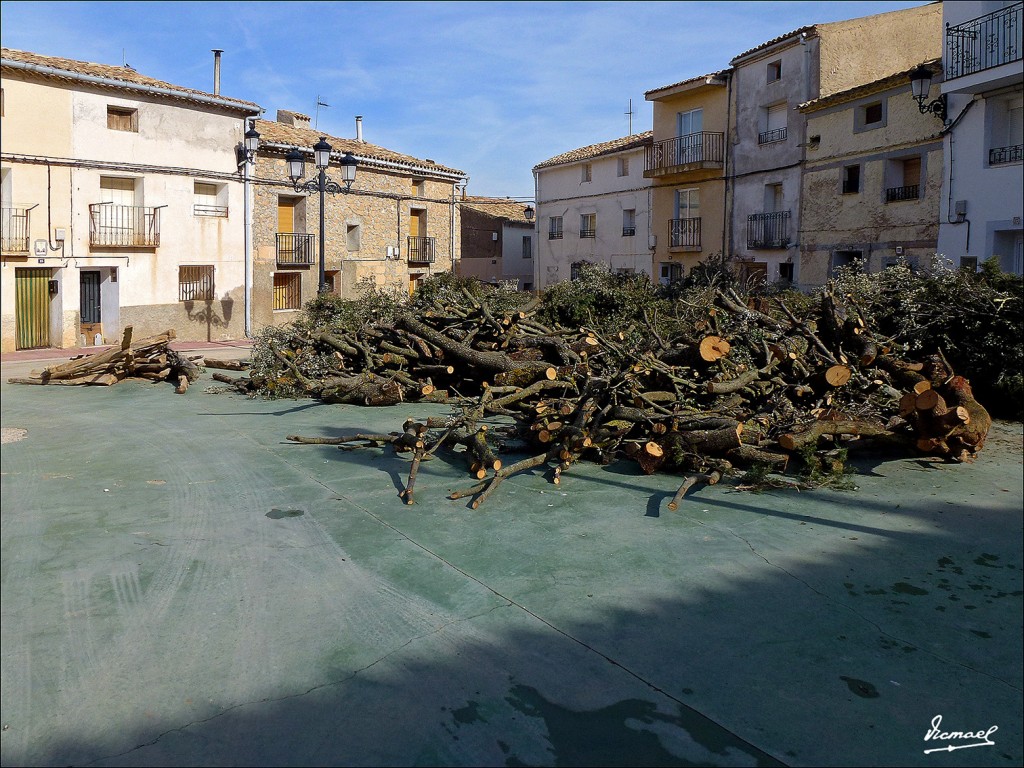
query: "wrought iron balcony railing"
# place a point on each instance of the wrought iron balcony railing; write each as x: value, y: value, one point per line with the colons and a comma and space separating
x: 704, y: 147
x: 421, y: 250
x: 985, y: 42
x: 1000, y: 155
x: 15, y: 229
x: 555, y: 235
x: 770, y: 137
x: 684, y: 233
x: 768, y: 230
x: 124, y: 226
x: 294, y: 248
x: 895, y: 194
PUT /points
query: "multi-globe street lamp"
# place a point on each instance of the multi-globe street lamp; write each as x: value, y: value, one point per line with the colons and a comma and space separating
x: 322, y: 184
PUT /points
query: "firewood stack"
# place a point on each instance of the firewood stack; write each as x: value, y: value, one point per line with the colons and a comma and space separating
x: 149, y: 358
x: 747, y: 383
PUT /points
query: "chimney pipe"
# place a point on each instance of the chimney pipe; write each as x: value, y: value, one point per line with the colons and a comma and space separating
x: 359, y: 128
x: 216, y: 70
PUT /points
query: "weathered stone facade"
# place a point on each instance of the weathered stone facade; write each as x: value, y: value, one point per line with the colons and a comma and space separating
x: 370, y: 231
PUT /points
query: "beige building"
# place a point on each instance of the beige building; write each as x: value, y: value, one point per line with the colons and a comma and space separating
x: 123, y: 204
x: 769, y: 138
x: 397, y: 225
x: 872, y: 179
x: 687, y: 163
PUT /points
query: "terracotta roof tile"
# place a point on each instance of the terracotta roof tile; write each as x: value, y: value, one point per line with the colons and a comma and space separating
x: 129, y: 77
x: 709, y: 76
x: 597, y: 150
x: 286, y: 135
x: 499, y: 207
x: 811, y: 30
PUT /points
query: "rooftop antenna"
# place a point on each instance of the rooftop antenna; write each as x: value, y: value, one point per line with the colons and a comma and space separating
x: 319, y: 104
x: 630, y: 113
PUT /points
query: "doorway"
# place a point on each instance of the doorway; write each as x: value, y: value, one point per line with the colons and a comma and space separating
x: 90, y: 305
x: 32, y: 308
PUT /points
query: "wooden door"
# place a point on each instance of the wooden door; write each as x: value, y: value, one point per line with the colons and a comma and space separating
x: 32, y: 308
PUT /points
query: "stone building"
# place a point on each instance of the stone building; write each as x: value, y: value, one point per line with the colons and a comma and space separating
x: 123, y: 204
x: 497, y: 241
x: 398, y: 224
x: 871, y: 187
x: 593, y: 205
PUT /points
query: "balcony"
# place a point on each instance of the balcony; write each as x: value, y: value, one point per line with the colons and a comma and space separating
x: 997, y: 156
x: 124, y: 226
x: 772, y: 136
x: 694, y: 151
x: 768, y: 230
x: 15, y: 229
x: 983, y: 43
x: 684, y: 234
x: 588, y: 233
x: 629, y: 231
x: 895, y: 194
x: 294, y: 249
x: 421, y: 250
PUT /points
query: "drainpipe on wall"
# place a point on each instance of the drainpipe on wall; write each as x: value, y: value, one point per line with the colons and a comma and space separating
x: 247, y: 206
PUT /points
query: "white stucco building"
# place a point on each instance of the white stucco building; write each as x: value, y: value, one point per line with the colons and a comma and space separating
x: 593, y: 205
x: 982, y: 198
x: 123, y: 204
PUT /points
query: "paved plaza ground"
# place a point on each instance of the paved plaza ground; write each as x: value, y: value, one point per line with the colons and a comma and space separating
x: 182, y: 586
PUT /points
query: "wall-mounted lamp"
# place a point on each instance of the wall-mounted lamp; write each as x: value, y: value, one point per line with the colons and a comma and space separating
x: 920, y: 84
x: 246, y: 151
x: 529, y: 213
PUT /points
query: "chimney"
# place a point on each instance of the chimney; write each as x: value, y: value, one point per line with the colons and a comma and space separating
x: 359, y: 128
x: 216, y: 70
x: 294, y: 119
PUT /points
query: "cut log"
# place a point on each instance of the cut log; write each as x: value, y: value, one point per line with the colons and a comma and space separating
x: 226, y: 365
x: 838, y: 375
x: 713, y: 348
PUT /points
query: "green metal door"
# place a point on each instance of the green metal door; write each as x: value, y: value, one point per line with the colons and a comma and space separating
x: 32, y: 307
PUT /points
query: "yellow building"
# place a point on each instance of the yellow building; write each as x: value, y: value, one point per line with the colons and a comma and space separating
x: 687, y: 164
x: 395, y: 226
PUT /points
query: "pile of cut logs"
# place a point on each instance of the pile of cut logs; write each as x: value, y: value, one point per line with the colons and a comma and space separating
x: 149, y: 358
x: 750, y: 382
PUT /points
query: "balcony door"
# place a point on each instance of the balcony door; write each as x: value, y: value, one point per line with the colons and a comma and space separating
x: 685, y: 231
x: 117, y: 220
x: 689, y: 126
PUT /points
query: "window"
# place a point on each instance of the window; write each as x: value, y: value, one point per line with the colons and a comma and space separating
x: 527, y: 247
x: 684, y: 229
x: 775, y: 118
x: 555, y: 228
x: 623, y: 166
x: 575, y: 269
x: 1006, y: 131
x: 629, y: 222
x: 210, y: 199
x: 904, y: 179
x: 786, y: 273
x: 418, y: 187
x: 851, y: 179
x: 670, y: 273
x: 969, y: 263
x: 195, y: 282
x: 867, y: 117
x: 854, y: 259
x: 587, y: 173
x: 774, y: 200
x: 353, y: 237
x: 122, y: 119
x: 774, y: 71
x: 288, y: 290
x: 588, y: 225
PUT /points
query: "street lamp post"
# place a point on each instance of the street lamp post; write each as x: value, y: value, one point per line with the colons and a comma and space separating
x: 322, y: 184
x: 247, y: 157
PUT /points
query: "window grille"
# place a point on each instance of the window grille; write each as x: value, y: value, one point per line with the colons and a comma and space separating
x: 195, y: 282
x: 288, y: 290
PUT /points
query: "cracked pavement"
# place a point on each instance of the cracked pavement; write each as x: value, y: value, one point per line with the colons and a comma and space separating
x: 181, y: 586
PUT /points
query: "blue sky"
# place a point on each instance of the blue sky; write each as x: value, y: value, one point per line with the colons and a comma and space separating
x: 491, y: 88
